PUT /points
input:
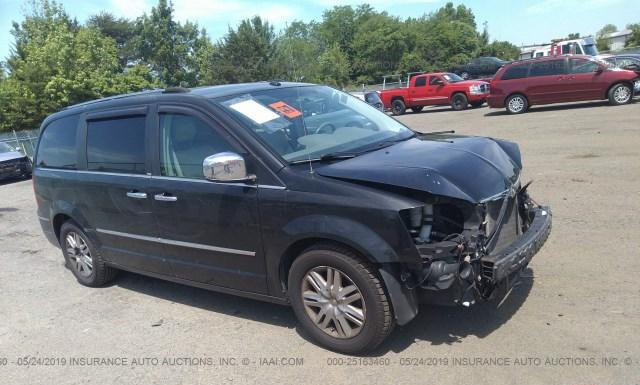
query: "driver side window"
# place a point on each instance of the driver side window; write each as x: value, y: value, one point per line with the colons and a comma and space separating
x: 185, y: 141
x: 434, y: 81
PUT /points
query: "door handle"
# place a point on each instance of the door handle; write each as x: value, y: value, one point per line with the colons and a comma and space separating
x: 136, y: 195
x: 165, y: 198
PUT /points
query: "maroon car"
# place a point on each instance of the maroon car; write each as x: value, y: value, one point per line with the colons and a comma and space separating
x: 558, y: 79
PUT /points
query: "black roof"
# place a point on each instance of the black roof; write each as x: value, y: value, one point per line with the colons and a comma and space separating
x: 206, y: 92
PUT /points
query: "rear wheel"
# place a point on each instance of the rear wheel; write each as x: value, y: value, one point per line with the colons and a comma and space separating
x: 83, y: 258
x: 620, y: 94
x: 516, y: 104
x: 417, y: 108
x: 398, y: 107
x: 459, y: 102
x: 339, y: 299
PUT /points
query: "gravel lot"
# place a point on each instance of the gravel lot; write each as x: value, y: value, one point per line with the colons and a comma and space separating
x: 580, y: 306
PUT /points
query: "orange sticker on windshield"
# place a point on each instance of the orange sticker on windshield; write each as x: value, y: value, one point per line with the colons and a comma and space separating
x: 285, y: 109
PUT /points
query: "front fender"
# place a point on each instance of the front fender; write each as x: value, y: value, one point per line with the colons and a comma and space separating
x: 346, y: 231
x: 367, y: 243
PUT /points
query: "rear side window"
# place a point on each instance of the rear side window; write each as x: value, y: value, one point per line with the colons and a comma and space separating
x: 515, y: 72
x: 547, y: 68
x: 581, y: 66
x: 58, y: 144
x: 116, y: 145
x: 421, y: 82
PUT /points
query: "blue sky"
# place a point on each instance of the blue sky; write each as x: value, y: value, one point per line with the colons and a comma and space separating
x: 518, y: 21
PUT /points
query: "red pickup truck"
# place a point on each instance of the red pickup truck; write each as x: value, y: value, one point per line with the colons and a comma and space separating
x: 436, y: 89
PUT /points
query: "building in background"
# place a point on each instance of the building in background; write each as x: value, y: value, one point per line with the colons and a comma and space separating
x: 617, y: 40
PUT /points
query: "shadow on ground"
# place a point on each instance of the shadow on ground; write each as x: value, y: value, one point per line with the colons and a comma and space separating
x: 435, y: 324
x: 208, y: 300
x: 450, y: 325
x: 13, y: 180
x: 555, y: 107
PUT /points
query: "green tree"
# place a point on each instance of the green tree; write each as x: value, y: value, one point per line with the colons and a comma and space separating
x: 55, y: 63
x: 378, y: 47
x: 601, y: 42
x: 297, y: 51
x: 334, y: 67
x: 119, y: 29
x: 245, y: 54
x: 168, y: 46
x: 634, y: 40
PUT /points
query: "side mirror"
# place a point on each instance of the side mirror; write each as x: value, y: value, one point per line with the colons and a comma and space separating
x: 226, y: 167
x: 599, y: 69
x: 438, y: 82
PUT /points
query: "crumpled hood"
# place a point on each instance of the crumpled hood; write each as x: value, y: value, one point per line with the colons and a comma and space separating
x: 469, y: 168
x: 10, y: 155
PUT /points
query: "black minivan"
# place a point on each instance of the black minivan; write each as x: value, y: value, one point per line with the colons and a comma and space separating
x: 286, y: 192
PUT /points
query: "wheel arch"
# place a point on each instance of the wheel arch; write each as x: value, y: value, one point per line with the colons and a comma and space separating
x: 404, y: 303
x: 454, y: 93
x: 65, y: 211
x: 628, y: 83
x: 397, y: 97
x: 517, y: 93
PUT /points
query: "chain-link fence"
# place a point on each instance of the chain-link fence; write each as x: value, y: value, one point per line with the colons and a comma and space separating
x: 24, y: 141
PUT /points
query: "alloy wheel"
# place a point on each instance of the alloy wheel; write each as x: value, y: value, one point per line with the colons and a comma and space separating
x: 333, y: 302
x: 79, y: 254
x: 516, y: 104
x: 622, y: 94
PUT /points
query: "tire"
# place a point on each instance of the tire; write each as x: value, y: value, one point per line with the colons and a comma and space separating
x: 620, y: 93
x: 417, y: 109
x: 373, y: 306
x: 91, y: 271
x: 516, y: 104
x: 459, y: 102
x: 398, y: 107
x: 476, y: 104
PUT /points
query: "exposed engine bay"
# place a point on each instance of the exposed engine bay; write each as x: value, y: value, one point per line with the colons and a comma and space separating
x: 458, y: 243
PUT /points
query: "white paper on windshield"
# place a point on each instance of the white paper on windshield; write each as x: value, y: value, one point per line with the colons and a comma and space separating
x: 255, y: 111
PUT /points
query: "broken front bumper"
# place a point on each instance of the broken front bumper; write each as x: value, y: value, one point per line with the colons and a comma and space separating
x: 516, y: 256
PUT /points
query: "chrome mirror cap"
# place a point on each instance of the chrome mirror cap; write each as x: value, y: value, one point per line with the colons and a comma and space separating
x: 225, y: 167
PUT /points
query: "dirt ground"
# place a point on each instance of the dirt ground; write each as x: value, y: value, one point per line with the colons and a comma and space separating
x: 574, y: 320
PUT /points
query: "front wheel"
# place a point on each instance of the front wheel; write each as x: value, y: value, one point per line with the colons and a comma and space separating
x: 620, y: 94
x: 398, y: 107
x: 459, y: 102
x: 339, y: 299
x: 516, y: 104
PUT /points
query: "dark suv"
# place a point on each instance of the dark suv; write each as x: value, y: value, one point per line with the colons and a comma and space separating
x: 481, y: 66
x: 292, y: 193
x: 559, y: 79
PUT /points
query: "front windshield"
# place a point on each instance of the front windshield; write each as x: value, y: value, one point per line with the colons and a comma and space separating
x: 452, y: 78
x: 590, y: 49
x: 5, y: 148
x: 309, y: 122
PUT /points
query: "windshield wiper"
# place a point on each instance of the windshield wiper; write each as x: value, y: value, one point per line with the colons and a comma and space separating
x: 349, y: 155
x: 439, y: 132
x: 326, y: 157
